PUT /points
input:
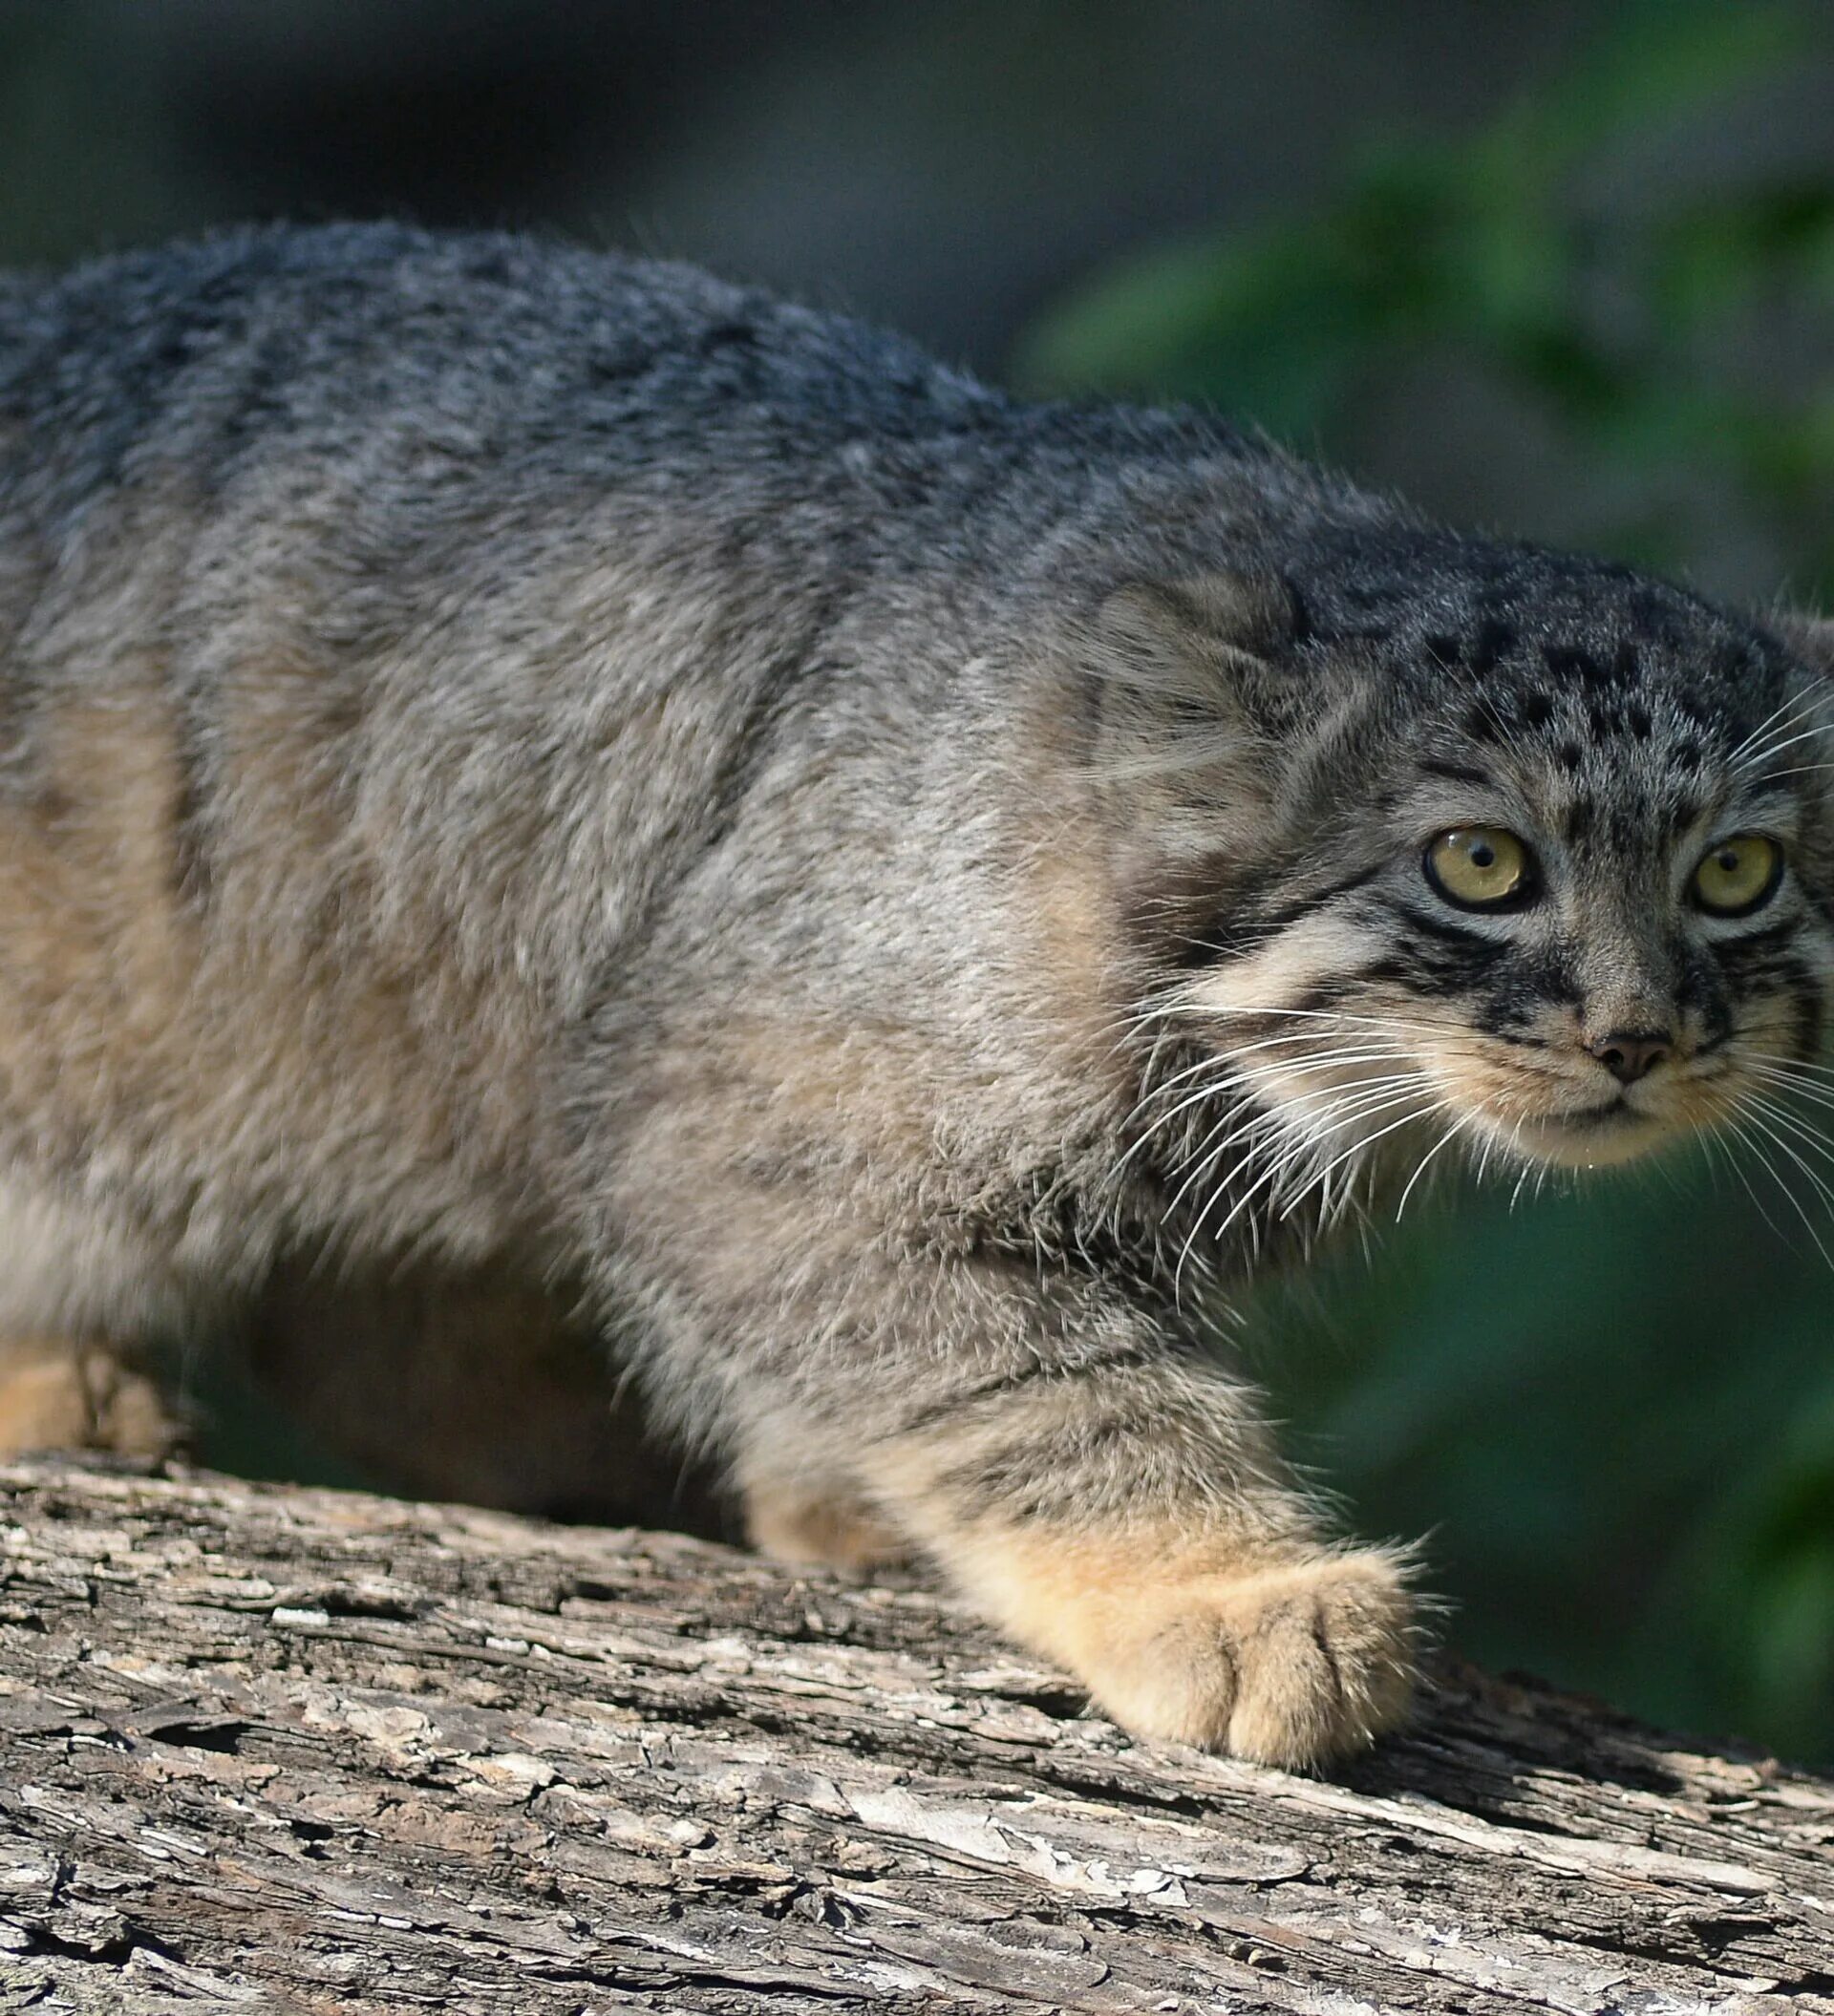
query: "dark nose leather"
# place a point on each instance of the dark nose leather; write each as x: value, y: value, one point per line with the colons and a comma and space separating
x: 1632, y: 1054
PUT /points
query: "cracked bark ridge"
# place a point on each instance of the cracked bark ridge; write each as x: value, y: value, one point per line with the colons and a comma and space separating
x: 269, y: 1749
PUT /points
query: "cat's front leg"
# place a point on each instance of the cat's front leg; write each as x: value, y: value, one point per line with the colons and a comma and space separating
x: 1111, y: 1500
x: 1128, y: 1520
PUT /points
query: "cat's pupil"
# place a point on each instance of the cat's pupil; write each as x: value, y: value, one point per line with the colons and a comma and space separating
x: 1728, y: 859
x: 1482, y: 855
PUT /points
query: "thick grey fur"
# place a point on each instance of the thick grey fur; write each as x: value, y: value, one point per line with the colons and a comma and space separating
x: 685, y: 798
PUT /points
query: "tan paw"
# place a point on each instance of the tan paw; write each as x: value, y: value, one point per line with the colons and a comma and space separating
x: 1290, y: 1664
x: 808, y: 1523
x: 55, y: 1394
x: 1291, y: 1659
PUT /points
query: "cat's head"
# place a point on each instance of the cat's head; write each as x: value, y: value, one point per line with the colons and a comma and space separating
x: 1437, y: 838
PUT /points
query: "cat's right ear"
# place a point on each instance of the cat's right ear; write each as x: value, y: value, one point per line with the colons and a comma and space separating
x: 1185, y: 672
x: 1204, y: 633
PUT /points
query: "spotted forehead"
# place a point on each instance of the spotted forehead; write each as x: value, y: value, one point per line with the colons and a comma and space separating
x: 1618, y: 706
x: 1522, y: 642
x: 1623, y: 744
x: 1696, y: 696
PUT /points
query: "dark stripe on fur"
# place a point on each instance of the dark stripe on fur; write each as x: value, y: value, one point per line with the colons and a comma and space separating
x: 1251, y: 929
x: 933, y: 1413
x: 1458, y: 773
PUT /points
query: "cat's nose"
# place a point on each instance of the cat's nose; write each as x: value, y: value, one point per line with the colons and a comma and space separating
x: 1632, y: 1054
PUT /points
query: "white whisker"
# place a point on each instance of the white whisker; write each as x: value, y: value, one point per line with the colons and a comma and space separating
x: 1796, y: 1125
x: 1781, y: 716
x: 1421, y: 1107
x: 1794, y: 1202
x: 1759, y: 758
x: 1456, y: 1128
x: 1817, y: 1094
x: 1750, y: 1189
x: 1796, y: 769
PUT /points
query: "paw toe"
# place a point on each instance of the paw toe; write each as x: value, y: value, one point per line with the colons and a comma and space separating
x: 1325, y: 1658
x: 1292, y: 1666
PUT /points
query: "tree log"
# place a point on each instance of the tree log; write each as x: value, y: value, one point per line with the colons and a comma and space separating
x: 305, y: 1751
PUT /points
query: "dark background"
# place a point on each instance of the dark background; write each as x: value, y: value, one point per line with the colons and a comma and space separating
x: 1562, y: 271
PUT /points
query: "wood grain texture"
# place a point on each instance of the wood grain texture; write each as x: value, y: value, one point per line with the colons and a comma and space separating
x: 267, y: 1749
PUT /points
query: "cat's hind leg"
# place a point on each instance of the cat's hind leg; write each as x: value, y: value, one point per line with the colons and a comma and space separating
x: 80, y: 1295
x: 816, y: 1517
x: 72, y: 1394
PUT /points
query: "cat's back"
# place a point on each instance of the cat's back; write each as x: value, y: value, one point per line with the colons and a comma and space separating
x: 523, y: 355
x: 406, y: 498
x: 379, y: 615
x: 391, y: 624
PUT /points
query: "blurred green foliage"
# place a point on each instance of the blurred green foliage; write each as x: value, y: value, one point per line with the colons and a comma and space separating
x: 1613, y: 1411
x: 80, y: 158
x: 1643, y: 337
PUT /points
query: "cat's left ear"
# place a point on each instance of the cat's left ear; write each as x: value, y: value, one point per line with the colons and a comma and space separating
x: 1808, y: 637
x: 1190, y: 673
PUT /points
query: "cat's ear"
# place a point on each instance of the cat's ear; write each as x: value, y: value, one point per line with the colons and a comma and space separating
x: 1188, y: 671
x: 1808, y: 636
x: 1187, y: 752
x: 1200, y: 634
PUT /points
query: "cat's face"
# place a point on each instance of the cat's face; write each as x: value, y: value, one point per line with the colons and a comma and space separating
x: 1544, y: 869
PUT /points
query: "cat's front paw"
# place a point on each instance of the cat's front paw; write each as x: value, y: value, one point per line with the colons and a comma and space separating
x: 1291, y: 1664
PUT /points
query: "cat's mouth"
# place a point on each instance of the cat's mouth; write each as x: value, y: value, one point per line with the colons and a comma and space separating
x: 1575, y: 1125
x: 1547, y: 1102
x: 1600, y: 1131
x: 1593, y: 1137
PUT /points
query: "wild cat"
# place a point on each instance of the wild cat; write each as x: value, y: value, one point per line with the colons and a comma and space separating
x: 545, y: 769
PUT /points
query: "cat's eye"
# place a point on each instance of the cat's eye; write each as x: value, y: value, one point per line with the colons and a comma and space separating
x: 1738, y: 876
x: 1481, y: 867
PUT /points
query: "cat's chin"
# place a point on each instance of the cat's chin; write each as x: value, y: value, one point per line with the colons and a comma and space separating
x: 1598, y: 1139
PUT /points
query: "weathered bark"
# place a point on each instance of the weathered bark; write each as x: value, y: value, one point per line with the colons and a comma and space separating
x: 294, y: 1749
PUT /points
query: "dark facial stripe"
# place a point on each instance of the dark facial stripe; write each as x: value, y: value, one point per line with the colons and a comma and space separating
x: 1755, y: 945
x: 1448, y: 929
x: 1458, y: 773
x: 1443, y: 956
x: 1445, y: 970
x: 1523, y: 990
x: 1774, y: 972
x: 1248, y: 926
x: 1345, y: 987
x: 1699, y: 990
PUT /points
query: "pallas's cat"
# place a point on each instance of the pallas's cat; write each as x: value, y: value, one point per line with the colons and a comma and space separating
x: 539, y: 768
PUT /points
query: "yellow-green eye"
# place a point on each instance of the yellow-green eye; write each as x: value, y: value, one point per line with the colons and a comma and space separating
x: 1479, y: 867
x: 1739, y: 874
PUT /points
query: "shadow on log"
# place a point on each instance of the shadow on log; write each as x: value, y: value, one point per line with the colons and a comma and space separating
x: 301, y: 1750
